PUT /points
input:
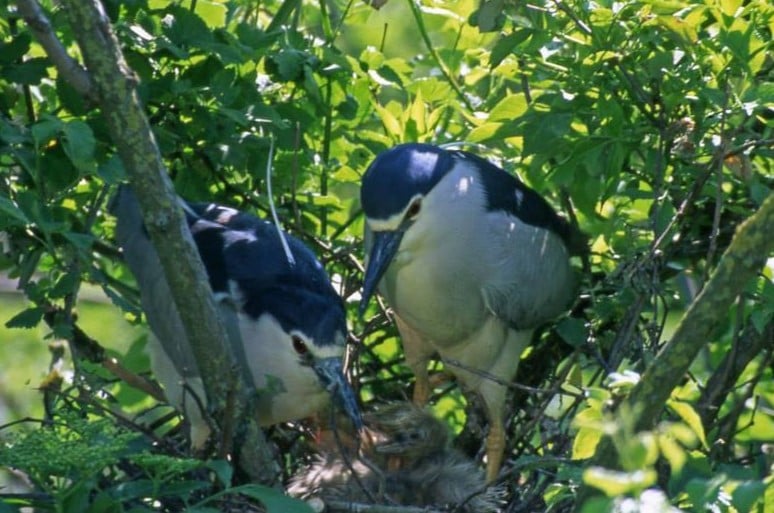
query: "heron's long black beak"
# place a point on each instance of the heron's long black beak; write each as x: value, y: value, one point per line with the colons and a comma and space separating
x: 385, y: 247
x: 331, y: 375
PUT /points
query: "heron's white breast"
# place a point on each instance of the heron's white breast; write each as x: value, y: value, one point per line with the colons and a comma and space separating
x: 434, y: 280
x: 287, y: 389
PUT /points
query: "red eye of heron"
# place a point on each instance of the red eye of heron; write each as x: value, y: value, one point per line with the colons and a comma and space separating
x: 413, y: 210
x: 299, y: 345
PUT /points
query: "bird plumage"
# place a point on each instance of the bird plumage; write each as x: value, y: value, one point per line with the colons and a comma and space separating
x: 470, y: 259
x: 286, y: 324
x: 408, y: 462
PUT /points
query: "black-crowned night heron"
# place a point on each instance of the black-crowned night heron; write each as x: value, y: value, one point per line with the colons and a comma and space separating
x: 471, y: 261
x: 409, y: 462
x: 286, y: 323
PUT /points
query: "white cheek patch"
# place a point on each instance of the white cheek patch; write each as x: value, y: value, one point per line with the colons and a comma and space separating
x: 269, y: 352
x: 385, y: 225
x: 393, y: 222
x: 294, y: 390
x: 328, y: 350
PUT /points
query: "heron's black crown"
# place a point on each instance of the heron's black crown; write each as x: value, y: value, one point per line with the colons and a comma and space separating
x: 407, y: 170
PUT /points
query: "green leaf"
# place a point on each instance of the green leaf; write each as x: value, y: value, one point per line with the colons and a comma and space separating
x: 598, y: 505
x: 505, y: 45
x: 483, y: 133
x: 26, y: 319
x: 704, y: 492
x: 183, y: 488
x: 768, y: 496
x: 542, y: 133
x: 573, y: 331
x: 71, y: 99
x: 185, y: 28
x: 747, y: 494
x: 417, y: 114
x: 274, y: 500
x: 391, y: 124
x: 46, y: 129
x: 112, y: 170
x: 509, y: 108
x: 82, y: 241
x: 104, y: 503
x: 584, y: 445
x: 490, y: 16
x: 688, y: 415
x: 672, y: 452
x: 79, y: 145
x: 223, y: 470
x: 639, y: 452
x: 29, y: 72
x: 13, y: 50
x: 282, y: 15
x: 10, y: 209
x: 613, y: 482
x: 730, y: 7
x: 289, y: 64
x: 77, y: 496
x: 66, y: 284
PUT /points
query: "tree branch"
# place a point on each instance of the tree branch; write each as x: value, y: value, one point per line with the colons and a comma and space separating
x: 90, y: 349
x: 749, y: 345
x: 69, y: 68
x: 741, y: 262
x: 113, y: 88
x: 354, y: 507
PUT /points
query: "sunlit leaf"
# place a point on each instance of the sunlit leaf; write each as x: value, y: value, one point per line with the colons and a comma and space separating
x: 484, y: 132
x: 391, y: 123
x: 509, y: 108
x: 672, y: 452
x: 584, y: 445
x: 689, y: 415
x: 614, y: 483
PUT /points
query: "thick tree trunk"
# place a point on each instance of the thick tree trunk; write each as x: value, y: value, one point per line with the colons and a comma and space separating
x: 110, y: 82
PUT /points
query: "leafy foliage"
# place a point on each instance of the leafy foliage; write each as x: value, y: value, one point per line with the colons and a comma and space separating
x: 648, y: 123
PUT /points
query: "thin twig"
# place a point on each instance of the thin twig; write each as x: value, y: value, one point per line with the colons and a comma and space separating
x: 75, y: 74
x: 355, y: 507
x: 415, y: 10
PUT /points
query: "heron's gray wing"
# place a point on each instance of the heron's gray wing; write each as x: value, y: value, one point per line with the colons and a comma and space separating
x: 529, y: 280
x: 156, y: 299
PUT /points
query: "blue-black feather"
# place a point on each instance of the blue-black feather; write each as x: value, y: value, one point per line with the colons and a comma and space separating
x: 415, y: 168
x: 405, y: 170
x: 244, y: 249
x: 505, y: 192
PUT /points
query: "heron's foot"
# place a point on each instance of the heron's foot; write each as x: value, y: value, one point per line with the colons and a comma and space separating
x: 495, y: 447
x: 421, y: 391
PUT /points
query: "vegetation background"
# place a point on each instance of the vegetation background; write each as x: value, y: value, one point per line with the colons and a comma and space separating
x: 647, y: 123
